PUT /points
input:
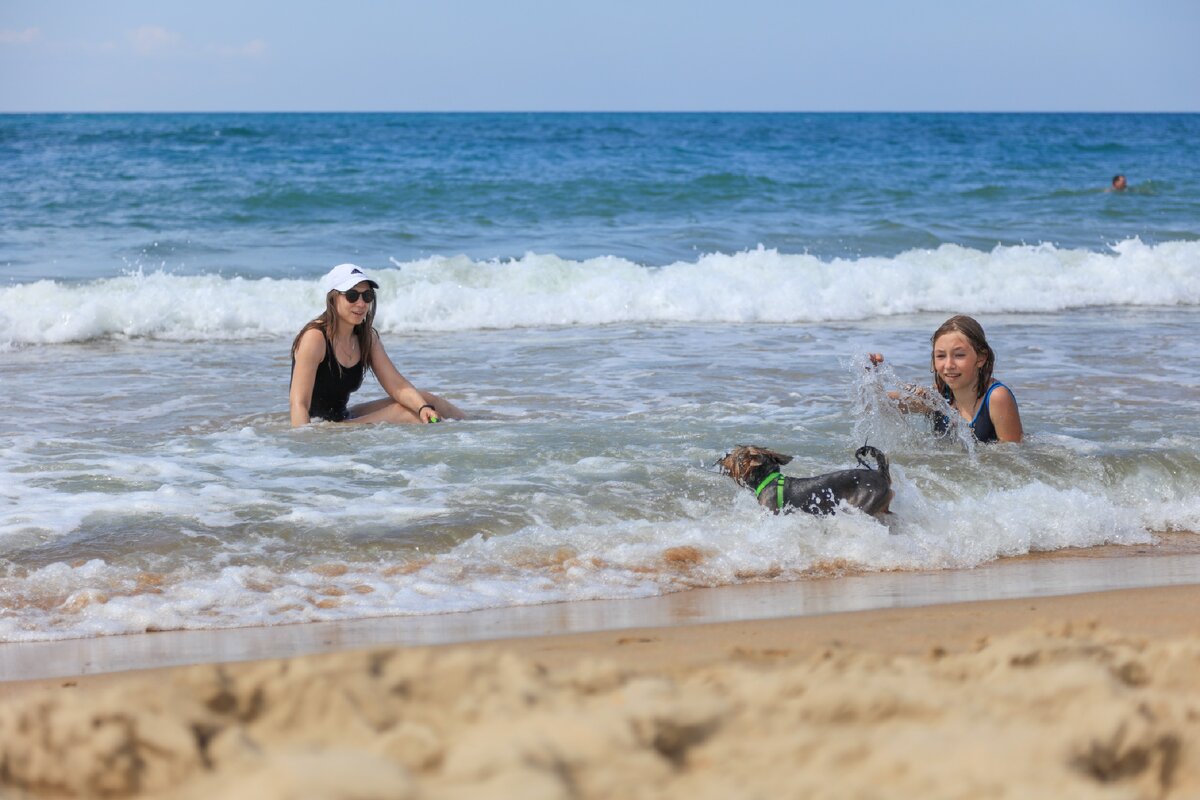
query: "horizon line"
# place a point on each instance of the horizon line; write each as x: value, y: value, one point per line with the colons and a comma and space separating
x: 13, y: 112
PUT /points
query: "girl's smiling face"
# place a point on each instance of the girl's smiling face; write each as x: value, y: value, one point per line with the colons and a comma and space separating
x: 956, y: 362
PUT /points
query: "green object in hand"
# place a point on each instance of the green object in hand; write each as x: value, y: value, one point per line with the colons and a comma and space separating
x: 433, y: 418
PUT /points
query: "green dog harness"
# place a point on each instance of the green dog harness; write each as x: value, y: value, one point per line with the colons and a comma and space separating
x: 774, y: 476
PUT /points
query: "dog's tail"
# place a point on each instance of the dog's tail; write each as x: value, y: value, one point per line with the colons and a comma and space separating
x: 881, y: 462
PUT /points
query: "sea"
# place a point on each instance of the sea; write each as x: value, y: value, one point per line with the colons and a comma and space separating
x: 615, y: 300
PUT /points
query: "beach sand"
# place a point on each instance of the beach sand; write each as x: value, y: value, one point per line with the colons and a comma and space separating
x: 1085, y: 695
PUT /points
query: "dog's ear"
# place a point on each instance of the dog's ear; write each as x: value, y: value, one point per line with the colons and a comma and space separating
x: 772, y: 456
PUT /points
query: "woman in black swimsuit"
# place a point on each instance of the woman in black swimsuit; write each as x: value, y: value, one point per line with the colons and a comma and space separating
x: 332, y: 353
x: 961, y: 363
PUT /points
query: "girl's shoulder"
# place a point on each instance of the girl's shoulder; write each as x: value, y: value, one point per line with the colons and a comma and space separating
x: 1004, y: 414
x: 1001, y: 394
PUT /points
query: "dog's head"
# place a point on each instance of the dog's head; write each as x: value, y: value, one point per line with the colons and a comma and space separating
x: 744, y: 461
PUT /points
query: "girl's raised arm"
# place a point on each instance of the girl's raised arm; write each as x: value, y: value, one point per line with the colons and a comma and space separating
x: 917, y: 401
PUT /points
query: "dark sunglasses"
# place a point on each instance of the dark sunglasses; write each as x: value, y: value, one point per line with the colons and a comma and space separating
x: 352, y: 295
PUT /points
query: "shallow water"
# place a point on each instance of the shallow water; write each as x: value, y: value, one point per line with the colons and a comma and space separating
x: 167, y: 493
x: 1174, y: 560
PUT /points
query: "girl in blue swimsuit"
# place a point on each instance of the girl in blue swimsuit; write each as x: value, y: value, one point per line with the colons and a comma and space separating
x: 962, y: 363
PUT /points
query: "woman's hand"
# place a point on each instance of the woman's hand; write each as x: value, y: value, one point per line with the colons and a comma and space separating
x: 428, y: 413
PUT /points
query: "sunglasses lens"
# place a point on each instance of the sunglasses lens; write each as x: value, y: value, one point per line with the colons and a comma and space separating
x: 352, y: 295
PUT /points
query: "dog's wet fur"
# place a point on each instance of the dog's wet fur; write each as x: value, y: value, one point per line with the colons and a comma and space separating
x: 864, y: 488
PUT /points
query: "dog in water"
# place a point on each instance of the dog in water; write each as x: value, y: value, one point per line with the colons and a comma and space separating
x: 757, y: 468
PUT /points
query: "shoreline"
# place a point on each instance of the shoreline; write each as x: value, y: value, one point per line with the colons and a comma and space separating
x: 1173, y: 560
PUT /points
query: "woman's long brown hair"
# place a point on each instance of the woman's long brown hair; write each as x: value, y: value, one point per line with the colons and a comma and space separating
x: 973, y: 332
x: 328, y: 320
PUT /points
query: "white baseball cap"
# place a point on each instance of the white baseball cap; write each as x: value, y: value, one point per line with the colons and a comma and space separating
x: 345, y: 276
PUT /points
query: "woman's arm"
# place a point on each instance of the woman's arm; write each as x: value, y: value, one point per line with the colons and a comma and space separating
x: 395, y: 384
x: 1006, y: 417
x: 309, y: 355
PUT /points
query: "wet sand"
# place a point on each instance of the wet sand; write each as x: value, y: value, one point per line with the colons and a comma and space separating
x: 1093, y: 694
x: 1174, y: 559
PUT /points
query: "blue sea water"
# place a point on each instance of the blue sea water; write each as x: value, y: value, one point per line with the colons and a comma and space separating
x: 616, y: 299
x: 284, y: 195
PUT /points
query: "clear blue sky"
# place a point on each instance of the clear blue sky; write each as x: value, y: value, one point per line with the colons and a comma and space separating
x: 452, y: 55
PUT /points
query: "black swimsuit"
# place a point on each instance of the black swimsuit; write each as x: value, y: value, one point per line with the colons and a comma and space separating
x: 981, y: 425
x: 332, y: 386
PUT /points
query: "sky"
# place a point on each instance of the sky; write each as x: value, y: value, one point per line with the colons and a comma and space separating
x: 600, y: 55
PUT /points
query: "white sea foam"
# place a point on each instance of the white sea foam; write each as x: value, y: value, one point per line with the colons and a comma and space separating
x: 446, y: 294
x: 610, y: 546
x: 732, y: 542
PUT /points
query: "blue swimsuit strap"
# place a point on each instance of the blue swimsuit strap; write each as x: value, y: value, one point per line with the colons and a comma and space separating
x: 987, y: 395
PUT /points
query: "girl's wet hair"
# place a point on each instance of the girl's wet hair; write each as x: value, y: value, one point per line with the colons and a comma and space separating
x: 973, y: 332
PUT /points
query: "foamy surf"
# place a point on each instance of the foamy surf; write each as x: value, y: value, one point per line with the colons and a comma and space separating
x: 538, y: 290
x: 714, y: 541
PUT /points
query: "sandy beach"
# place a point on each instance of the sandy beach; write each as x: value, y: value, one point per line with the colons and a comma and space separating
x: 1084, y: 695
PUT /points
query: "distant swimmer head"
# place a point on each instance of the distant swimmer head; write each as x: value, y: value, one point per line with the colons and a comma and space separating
x: 1118, y: 183
x: 344, y: 277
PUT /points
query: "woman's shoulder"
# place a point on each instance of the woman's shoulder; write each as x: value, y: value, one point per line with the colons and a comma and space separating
x: 311, y: 343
